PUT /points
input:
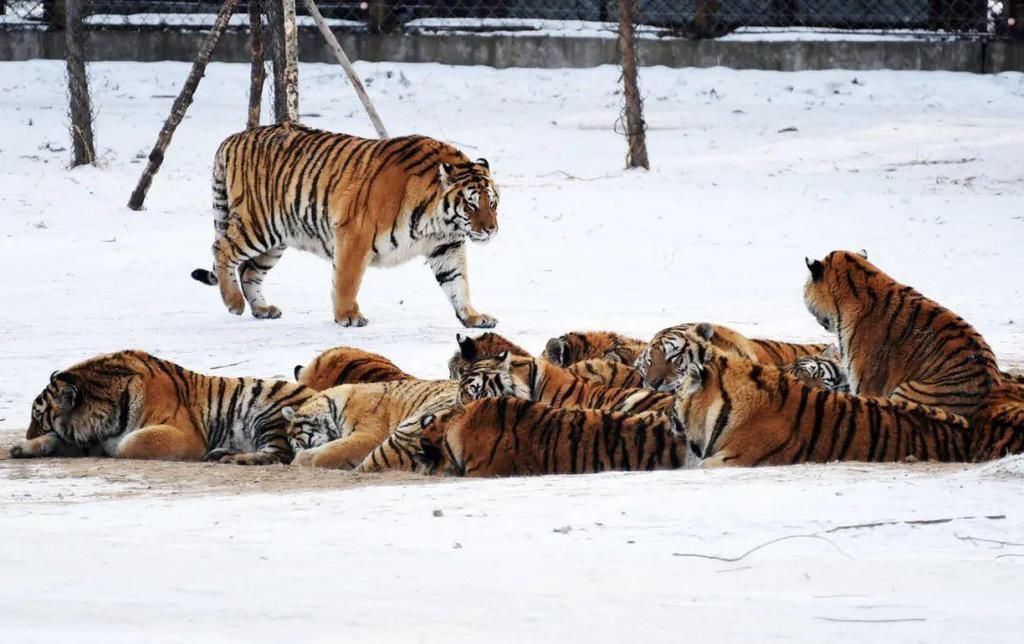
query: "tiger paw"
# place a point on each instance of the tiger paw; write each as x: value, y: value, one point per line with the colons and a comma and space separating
x: 19, y: 452
x: 479, y: 321
x: 235, y: 304
x: 353, y: 318
x: 269, y: 312
x: 218, y: 455
x: 304, y: 458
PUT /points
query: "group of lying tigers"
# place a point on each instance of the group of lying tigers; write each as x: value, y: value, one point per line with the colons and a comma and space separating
x: 905, y: 380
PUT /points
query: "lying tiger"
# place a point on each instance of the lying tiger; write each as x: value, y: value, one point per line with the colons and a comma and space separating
x: 896, y: 343
x: 358, y: 202
x: 511, y: 437
x: 998, y: 426
x: 610, y: 373
x: 663, y: 361
x: 543, y: 381
x: 130, y: 404
x: 577, y: 346
x: 346, y: 365
x: 736, y: 412
x: 344, y: 426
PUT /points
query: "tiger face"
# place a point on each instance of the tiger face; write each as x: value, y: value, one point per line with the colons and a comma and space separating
x: 470, y: 199
x: 312, y: 425
x: 819, y: 372
x: 665, y: 360
x: 840, y: 273
x: 52, y: 407
x: 490, y: 378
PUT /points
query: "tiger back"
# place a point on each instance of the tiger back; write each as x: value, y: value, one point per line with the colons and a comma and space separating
x: 130, y: 404
x: 895, y: 342
x: 347, y: 365
x: 736, y: 412
x: 578, y: 346
x: 514, y: 437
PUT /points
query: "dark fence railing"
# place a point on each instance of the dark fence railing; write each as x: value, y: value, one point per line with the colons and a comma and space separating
x: 699, y: 18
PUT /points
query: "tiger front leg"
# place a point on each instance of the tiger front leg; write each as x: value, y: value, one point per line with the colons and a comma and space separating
x: 351, y: 255
x: 449, y: 265
x: 341, y: 454
x: 48, y: 444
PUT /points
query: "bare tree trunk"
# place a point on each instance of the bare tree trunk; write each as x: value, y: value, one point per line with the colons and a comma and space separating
x: 258, y: 73
x: 634, y: 118
x: 705, y: 18
x: 291, y: 61
x: 275, y: 25
x: 346, y: 64
x: 380, y: 17
x: 181, y: 103
x: 78, y: 86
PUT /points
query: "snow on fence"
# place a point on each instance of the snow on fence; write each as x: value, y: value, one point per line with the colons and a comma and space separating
x: 695, y: 18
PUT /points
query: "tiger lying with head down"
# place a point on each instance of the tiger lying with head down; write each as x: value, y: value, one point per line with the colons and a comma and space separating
x: 998, y: 426
x: 512, y: 437
x: 347, y: 365
x: 358, y: 202
x: 664, y: 359
x: 370, y: 426
x: 610, y: 373
x: 542, y: 381
x: 130, y: 404
x: 736, y: 412
x: 896, y: 343
x: 671, y: 351
x: 577, y: 346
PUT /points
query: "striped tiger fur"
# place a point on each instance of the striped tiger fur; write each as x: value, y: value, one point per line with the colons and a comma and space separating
x: 510, y: 437
x: 347, y: 365
x: 577, y: 346
x: 488, y: 343
x: 354, y: 201
x: 340, y: 427
x: 610, y: 373
x: 998, y: 426
x: 896, y: 343
x: 130, y: 404
x: 664, y: 359
x: 820, y: 372
x: 737, y: 412
x: 540, y: 380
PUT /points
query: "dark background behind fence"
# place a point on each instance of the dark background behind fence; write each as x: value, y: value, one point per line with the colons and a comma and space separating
x: 698, y: 18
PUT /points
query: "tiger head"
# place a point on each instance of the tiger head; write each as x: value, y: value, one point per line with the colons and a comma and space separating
x: 714, y: 396
x: 837, y: 282
x: 487, y: 377
x: 487, y: 344
x: 470, y: 198
x: 577, y: 346
x: 669, y: 353
x: 82, y: 410
x: 818, y: 371
x: 435, y: 454
x: 313, y: 424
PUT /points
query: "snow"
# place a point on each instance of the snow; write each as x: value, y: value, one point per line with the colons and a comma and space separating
x: 921, y: 169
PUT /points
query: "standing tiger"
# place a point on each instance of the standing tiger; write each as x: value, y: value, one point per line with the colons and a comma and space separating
x: 896, y: 343
x: 511, y: 437
x: 355, y: 201
x: 664, y: 359
x: 130, y: 404
x: 736, y: 412
x: 347, y: 365
x: 577, y: 346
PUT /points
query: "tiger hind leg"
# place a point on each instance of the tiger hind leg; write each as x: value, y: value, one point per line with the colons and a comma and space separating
x: 162, y: 443
x: 252, y: 272
x: 228, y: 255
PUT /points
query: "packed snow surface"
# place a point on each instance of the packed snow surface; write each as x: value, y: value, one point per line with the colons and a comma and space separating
x: 751, y: 172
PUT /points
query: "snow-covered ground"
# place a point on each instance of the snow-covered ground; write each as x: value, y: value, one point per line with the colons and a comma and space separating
x: 752, y: 171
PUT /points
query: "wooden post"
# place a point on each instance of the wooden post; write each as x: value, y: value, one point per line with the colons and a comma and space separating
x: 181, y: 103
x: 634, y: 118
x: 82, y: 144
x: 258, y: 73
x: 275, y: 25
x: 346, y: 64
x: 291, y: 60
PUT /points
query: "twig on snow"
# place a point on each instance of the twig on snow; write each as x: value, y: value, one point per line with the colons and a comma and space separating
x: 875, y: 524
x: 763, y: 545
x: 893, y: 620
x: 967, y: 537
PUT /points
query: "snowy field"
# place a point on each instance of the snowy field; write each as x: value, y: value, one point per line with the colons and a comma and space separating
x: 752, y: 172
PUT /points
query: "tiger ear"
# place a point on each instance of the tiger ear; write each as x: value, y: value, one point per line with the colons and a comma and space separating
x: 467, y: 346
x: 426, y: 419
x: 505, y: 358
x: 554, y: 350
x: 298, y: 370
x: 831, y: 352
x: 863, y: 253
x: 816, y: 268
x: 445, y: 171
x: 67, y: 397
x: 53, y: 376
x: 288, y: 413
x: 482, y: 161
x: 704, y: 331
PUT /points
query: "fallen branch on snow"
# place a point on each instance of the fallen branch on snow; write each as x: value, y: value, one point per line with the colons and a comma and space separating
x: 763, y: 545
x: 875, y: 524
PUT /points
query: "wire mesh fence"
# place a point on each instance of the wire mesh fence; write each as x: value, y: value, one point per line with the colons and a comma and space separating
x: 694, y: 18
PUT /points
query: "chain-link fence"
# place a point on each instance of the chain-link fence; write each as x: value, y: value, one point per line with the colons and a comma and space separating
x: 695, y: 18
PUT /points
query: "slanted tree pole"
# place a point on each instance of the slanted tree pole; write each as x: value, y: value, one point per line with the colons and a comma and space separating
x: 291, y: 60
x: 78, y: 86
x: 346, y: 64
x: 181, y: 103
x: 258, y: 73
x: 635, y: 126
